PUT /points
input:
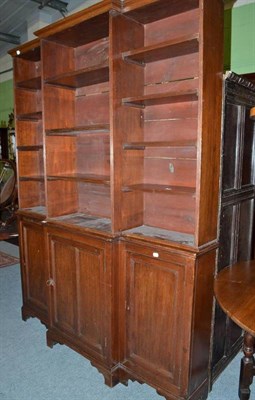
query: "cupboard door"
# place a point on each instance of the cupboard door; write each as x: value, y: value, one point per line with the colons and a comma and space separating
x: 34, y: 270
x: 158, y: 314
x: 78, y: 296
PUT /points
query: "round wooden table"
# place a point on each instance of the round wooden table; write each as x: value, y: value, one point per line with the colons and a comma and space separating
x: 235, y: 292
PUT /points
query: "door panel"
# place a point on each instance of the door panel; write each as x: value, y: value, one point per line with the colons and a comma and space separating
x: 158, y: 315
x: 63, y: 275
x: 90, y: 291
x: 248, y: 144
x: 78, y: 291
x: 34, y: 269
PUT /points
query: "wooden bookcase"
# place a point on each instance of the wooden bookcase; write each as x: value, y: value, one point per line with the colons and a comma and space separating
x: 78, y: 132
x: 28, y: 110
x: 31, y: 178
x: 119, y: 141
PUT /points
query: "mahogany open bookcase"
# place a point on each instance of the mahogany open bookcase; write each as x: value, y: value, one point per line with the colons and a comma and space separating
x: 118, y: 120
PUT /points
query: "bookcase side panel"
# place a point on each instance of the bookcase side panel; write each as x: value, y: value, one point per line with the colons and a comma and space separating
x: 211, y: 64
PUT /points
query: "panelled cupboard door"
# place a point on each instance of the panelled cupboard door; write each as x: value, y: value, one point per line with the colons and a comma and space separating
x: 34, y: 270
x: 158, y: 316
x: 80, y: 292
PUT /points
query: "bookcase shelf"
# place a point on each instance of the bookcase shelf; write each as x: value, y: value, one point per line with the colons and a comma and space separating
x: 172, y: 48
x: 31, y: 178
x: 30, y: 116
x: 84, y: 221
x: 84, y: 77
x: 153, y: 233
x: 79, y: 130
x: 161, y: 98
x: 153, y: 188
x: 30, y: 84
x: 30, y: 148
x: 144, y: 145
x: 95, y: 179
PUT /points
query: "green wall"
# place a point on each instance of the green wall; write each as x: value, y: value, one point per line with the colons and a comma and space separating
x: 227, y: 39
x: 243, y: 39
x: 6, y: 100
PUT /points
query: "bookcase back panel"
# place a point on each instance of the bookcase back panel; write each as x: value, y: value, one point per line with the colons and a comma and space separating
x: 72, y: 196
x: 170, y: 171
x: 131, y: 127
x: 94, y: 200
x: 61, y: 155
x: 133, y: 167
x: 31, y: 163
x: 55, y: 51
x: 171, y: 152
x: 182, y: 129
x: 58, y: 107
x: 92, y: 109
x: 75, y: 37
x: 95, y: 53
x: 25, y: 69
x: 62, y: 197
x: 157, y: 11
x: 31, y: 194
x: 171, y: 212
x: 184, y: 110
x: 132, y: 209
x: 29, y: 133
x: 27, y: 101
x: 100, y: 88
x: 181, y: 24
x: 93, y: 155
x: 184, y: 68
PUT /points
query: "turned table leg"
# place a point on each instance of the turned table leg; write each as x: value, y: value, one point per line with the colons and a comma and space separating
x: 247, y: 367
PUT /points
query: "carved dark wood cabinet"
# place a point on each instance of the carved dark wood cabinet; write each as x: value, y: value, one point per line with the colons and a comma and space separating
x: 236, y: 217
x: 118, y: 115
x: 4, y: 152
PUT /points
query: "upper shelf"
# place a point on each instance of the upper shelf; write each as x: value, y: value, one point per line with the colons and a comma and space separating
x: 86, y: 178
x: 172, y: 48
x: 84, y: 77
x: 156, y: 10
x: 30, y: 148
x: 161, y: 98
x: 144, y: 145
x: 33, y: 116
x: 156, y: 188
x: 79, y: 130
x: 31, y: 84
x: 32, y: 178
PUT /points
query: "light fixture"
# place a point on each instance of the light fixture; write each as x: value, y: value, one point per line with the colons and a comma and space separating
x: 59, y: 5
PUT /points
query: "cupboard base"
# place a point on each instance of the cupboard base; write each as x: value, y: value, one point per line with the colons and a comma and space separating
x: 200, y: 393
x: 27, y: 312
x: 111, y: 374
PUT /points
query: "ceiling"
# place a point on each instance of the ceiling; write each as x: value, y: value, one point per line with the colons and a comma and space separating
x: 17, y: 15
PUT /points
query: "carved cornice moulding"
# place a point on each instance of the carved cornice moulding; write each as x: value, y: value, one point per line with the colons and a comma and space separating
x: 233, y: 77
